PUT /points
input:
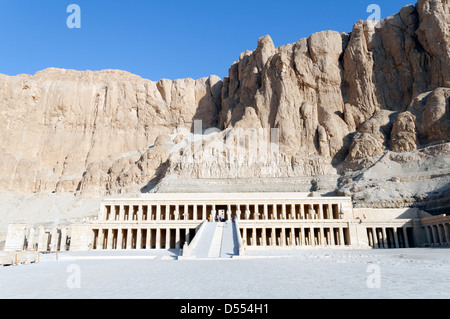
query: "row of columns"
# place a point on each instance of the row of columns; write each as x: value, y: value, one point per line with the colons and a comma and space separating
x: 153, y: 212
x: 388, y: 237
x: 249, y: 212
x: 138, y: 238
x: 438, y: 234
x: 39, y: 239
x: 292, y: 236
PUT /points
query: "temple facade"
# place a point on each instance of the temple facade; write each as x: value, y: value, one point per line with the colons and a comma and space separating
x: 261, y: 221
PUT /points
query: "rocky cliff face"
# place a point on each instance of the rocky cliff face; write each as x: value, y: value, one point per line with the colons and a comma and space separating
x: 340, y: 102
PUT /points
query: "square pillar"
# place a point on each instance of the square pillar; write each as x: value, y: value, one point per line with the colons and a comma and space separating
x: 148, y: 239
x: 396, y: 242
x: 158, y: 212
x: 119, y: 238
x: 109, y: 240
x: 405, y: 234
x: 167, y: 238
x: 264, y: 237
x: 121, y: 213
x: 139, y: 239
x: 177, y: 237
x: 158, y: 238
x: 187, y: 237
x: 140, y: 213
x: 129, y: 239
x: 341, y: 236
x: 195, y: 212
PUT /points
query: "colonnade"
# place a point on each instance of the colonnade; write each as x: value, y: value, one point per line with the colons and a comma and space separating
x: 20, y: 237
x: 200, y: 212
x: 296, y: 236
x: 390, y: 237
x: 438, y: 234
x: 140, y: 238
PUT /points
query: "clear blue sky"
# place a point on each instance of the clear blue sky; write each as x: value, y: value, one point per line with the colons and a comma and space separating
x: 162, y: 39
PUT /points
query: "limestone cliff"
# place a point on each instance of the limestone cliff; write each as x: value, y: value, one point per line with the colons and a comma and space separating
x: 343, y: 104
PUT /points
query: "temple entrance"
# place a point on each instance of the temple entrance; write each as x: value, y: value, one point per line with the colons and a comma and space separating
x: 222, y: 212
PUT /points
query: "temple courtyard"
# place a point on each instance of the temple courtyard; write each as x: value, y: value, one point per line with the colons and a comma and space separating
x: 418, y: 273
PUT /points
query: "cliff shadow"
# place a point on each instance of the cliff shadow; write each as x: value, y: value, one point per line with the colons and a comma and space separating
x: 159, y: 174
x: 209, y: 108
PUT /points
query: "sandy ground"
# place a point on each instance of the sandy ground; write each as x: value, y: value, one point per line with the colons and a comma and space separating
x: 344, y: 274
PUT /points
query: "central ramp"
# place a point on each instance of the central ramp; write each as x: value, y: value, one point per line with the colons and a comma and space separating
x: 230, y: 244
x: 217, y: 240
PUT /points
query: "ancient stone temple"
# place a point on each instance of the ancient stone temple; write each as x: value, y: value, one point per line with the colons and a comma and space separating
x: 228, y: 224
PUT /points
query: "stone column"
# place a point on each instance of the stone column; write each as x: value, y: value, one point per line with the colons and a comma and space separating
x: 31, y: 239
x: 446, y: 232
x: 254, y: 237
x: 385, y: 241
x: 333, y: 241
x: 330, y: 211
x: 322, y: 235
x: 396, y: 242
x: 187, y: 237
x: 405, y: 235
x: 195, y: 212
x: 186, y: 213
x: 293, y: 243
x: 158, y: 212
x: 109, y: 239
x: 321, y: 211
x: 441, y: 235
x: 312, y: 236
x: 429, y: 239
x: 341, y: 235
x: 312, y: 212
x: 167, y: 238
x: 54, y: 240
x: 256, y: 212
x: 121, y: 213
x: 177, y: 237
x: 119, y: 238
x: 283, y: 237
x: 139, y: 239
x: 300, y: 236
x: 283, y: 211
x: 148, y: 239
x: 266, y: 212
x: 204, y: 217
x: 247, y: 212
x: 302, y: 211
x: 293, y: 212
x: 158, y: 238
x: 129, y: 238
x: 264, y: 238
x: 149, y: 212
x: 100, y: 239
x: 140, y: 213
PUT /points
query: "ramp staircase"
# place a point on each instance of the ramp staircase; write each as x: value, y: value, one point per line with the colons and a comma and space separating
x: 214, y: 240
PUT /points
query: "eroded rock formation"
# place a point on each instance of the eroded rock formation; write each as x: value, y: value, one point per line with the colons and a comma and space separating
x: 340, y: 102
